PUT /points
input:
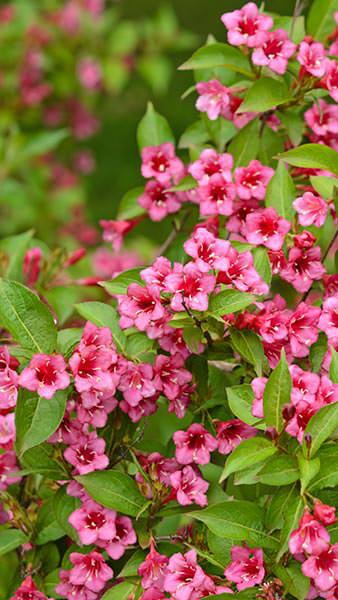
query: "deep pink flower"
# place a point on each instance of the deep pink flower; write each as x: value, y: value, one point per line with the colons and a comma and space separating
x: 216, y: 196
x: 45, y: 374
x: 266, y: 227
x: 184, y: 576
x: 89, y: 570
x: 303, y: 329
x: 161, y: 163
x: 207, y: 251
x: 241, y: 273
x: 158, y: 201
x: 231, y: 433
x: 303, y: 268
x: 94, y: 407
x: 312, y: 57
x: 28, y: 591
x: 93, y: 523
x: 153, y: 569
x: 252, y: 181
x: 241, y: 209
x: 305, y: 385
x: 311, y: 209
x: 180, y: 403
x: 277, y: 261
x: 83, y: 123
x: 190, y: 287
x: 331, y: 79
x: 209, y: 163
x: 322, y: 118
x: 69, y: 590
x: 274, y: 52
x: 84, y: 162
x: 172, y: 341
x: 8, y: 468
x: 323, y: 568
x: 258, y: 385
x: 246, y: 568
x: 272, y: 321
x: 141, y: 307
x: 327, y: 391
x: 194, y: 445
x: 324, y: 513
x: 310, y: 537
x: 32, y: 265
x: 304, y: 240
x: 189, y: 486
x: 170, y: 376
x: 328, y: 320
x: 137, y: 382
x: 87, y: 454
x: 247, y: 26
x: 123, y: 537
x: 213, y: 98
x: 114, y: 231
x: 152, y: 594
x: 89, y: 73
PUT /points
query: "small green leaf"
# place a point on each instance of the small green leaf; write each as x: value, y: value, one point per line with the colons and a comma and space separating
x: 187, y: 183
x: 249, y: 346
x: 281, y: 192
x: 264, y: 94
x: 327, y: 475
x: 11, y: 539
x: 294, y: 581
x: 121, y: 591
x: 120, y: 283
x: 262, y: 264
x: 129, y: 208
x: 139, y: 347
x: 277, y: 394
x: 240, y: 398
x: 229, y: 301
x: 218, y: 55
x: 334, y: 366
x: 320, y: 22
x: 247, y: 453
x: 320, y: 427
x: 312, y: 156
x: 104, y: 315
x: 195, y: 135
x: 317, y: 352
x: 64, y: 506
x: 41, y: 143
x: 324, y: 185
x: 153, y: 129
x: 245, y: 146
x: 308, y: 469
x: 293, y: 512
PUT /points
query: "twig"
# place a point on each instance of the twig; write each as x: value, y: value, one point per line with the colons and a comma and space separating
x: 173, y: 235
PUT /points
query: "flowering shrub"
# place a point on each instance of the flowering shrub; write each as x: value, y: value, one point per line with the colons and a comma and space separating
x: 181, y: 444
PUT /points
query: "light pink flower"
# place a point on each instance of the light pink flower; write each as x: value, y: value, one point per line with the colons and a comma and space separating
x: 124, y: 536
x: 93, y: 523
x: 153, y: 569
x: 246, y: 568
x: 94, y: 407
x: 258, y: 385
x: 213, y: 98
x: 303, y: 329
x: 209, y: 163
x: 216, y: 196
x: 331, y: 79
x: 141, y: 307
x: 242, y: 274
x: 8, y: 468
x: 266, y: 227
x: 89, y: 570
x: 190, y: 287
x: 274, y: 52
x: 69, y: 590
x: 305, y: 385
x: 328, y: 321
x: 89, y: 73
x: 231, y: 433
x: 157, y: 272
x: 157, y: 201
x: 161, y: 163
x: 310, y: 537
x: 189, y: 486
x: 114, y: 231
x: 298, y: 417
x: 207, y: 251
x: 311, y: 209
x: 252, y: 181
x: 247, y: 26
x: 170, y: 375
x: 87, y: 454
x: 303, y: 268
x: 9, y: 379
x: 194, y: 445
x: 323, y: 568
x: 184, y: 576
x: 312, y: 57
x: 7, y: 430
x: 322, y: 118
x: 137, y: 382
x: 45, y: 374
x: 83, y: 123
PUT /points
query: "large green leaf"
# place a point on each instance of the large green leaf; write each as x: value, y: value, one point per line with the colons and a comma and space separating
x: 218, y: 55
x: 320, y: 427
x: 279, y: 470
x: 14, y: 247
x: 11, y: 539
x: 248, y: 453
x: 320, y: 22
x: 245, y: 146
x: 249, y: 346
x: 229, y: 301
x: 312, y: 156
x: 115, y: 490
x: 129, y: 208
x: 293, y: 579
x: 26, y: 318
x: 153, y: 129
x: 265, y: 94
x: 262, y: 263
x: 292, y: 513
x: 277, y: 394
x: 121, y: 591
x: 281, y: 192
x: 120, y: 283
x: 104, y: 315
x: 308, y: 469
x: 41, y: 143
x: 240, y: 398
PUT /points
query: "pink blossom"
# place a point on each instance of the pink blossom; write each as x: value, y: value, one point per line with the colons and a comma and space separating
x: 304, y: 240
x: 241, y: 209
x: 207, y: 251
x: 190, y: 287
x: 180, y: 403
x: 277, y: 261
x: 152, y: 594
x: 323, y: 568
x: 305, y: 385
x: 322, y: 118
x: 7, y: 430
x: 331, y: 79
x: 247, y: 26
x: 114, y: 231
x: 45, y: 374
x: 89, y: 570
x: 87, y: 454
x: 258, y: 385
x: 311, y: 209
x: 89, y: 73
x: 299, y: 416
x: 8, y: 468
x: 119, y: 541
x: 32, y: 265
x: 161, y: 163
x: 312, y: 57
x: 274, y: 52
x: 94, y: 407
x: 303, y: 268
x: 141, y: 307
x: 9, y: 380
x: 216, y: 196
x: 137, y: 382
x: 327, y: 391
x: 28, y: 591
x: 231, y: 433
x: 246, y: 568
x: 252, y: 181
x: 266, y: 227
x: 184, y: 576
x: 213, y: 98
x: 303, y: 330
x: 310, y: 537
x: 172, y: 341
x: 272, y: 321
x: 194, y: 445
x: 241, y: 273
x: 328, y: 320
x: 157, y: 272
x: 189, y: 486
x: 170, y: 375
x: 83, y: 123
x: 93, y: 523
x: 209, y: 163
x: 153, y: 570
x: 324, y: 513
x: 158, y: 201
x: 69, y: 590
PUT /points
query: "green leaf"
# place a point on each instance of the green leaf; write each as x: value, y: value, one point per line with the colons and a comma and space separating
x: 240, y: 398
x: 277, y: 394
x: 320, y: 22
x: 317, y: 352
x: 40, y: 460
x: 26, y: 318
x: 262, y: 264
x: 187, y: 183
x: 308, y: 469
x: 115, y: 490
x: 220, y: 131
x: 129, y: 208
x: 50, y: 582
x: 229, y: 301
x: 265, y: 94
x: 41, y: 143
x: 46, y: 527
x: 64, y: 506
x: 247, y: 453
x: 276, y: 511
x: 14, y: 248
x: 139, y: 347
x: 218, y: 55
x: 312, y: 156
x: 237, y: 520
x: 281, y: 192
x: 334, y: 366
x: 195, y: 135
x: 279, y: 470
x: 104, y: 315
x: 245, y: 146
x: 153, y: 129
x: 249, y: 346
x: 37, y: 418
x: 120, y: 283
x: 327, y: 475
x: 11, y: 539
x: 121, y: 591
x: 294, y: 581
x: 293, y: 512
x: 294, y: 125
x: 320, y: 427
x: 130, y: 569
x: 324, y: 185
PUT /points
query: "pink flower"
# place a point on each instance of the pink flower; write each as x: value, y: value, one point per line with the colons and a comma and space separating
x: 328, y: 321
x: 209, y: 163
x: 312, y: 57
x: 323, y: 568
x: 303, y: 268
x: 87, y: 454
x: 305, y: 385
x: 119, y: 541
x: 303, y: 329
x: 207, y: 251
x: 299, y: 416
x: 304, y: 240
x: 331, y: 79
x: 311, y: 209
x: 310, y: 537
x: 190, y: 287
x: 153, y: 569
x: 28, y: 591
x: 247, y: 26
x: 189, y: 486
x: 213, y: 98
x: 83, y: 123
x: 9, y: 379
x: 45, y: 374
x: 8, y: 468
x: 194, y: 445
x: 246, y: 568
x: 327, y: 391
x: 156, y: 274
x: 274, y: 52
x: 324, y: 513
x: 184, y: 576
x: 266, y: 227
x: 157, y: 201
x: 93, y: 523
x: 89, y: 73
x: 231, y: 433
x: 94, y: 407
x: 114, y: 231
x: 7, y: 431
x: 141, y: 307
x: 89, y: 570
x: 152, y: 594
x: 69, y: 590
x: 322, y: 118
x: 32, y: 265
x: 161, y: 163
x: 241, y: 273
x: 170, y: 376
x: 258, y: 385
x: 216, y: 196
x: 252, y: 181
x: 137, y: 382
